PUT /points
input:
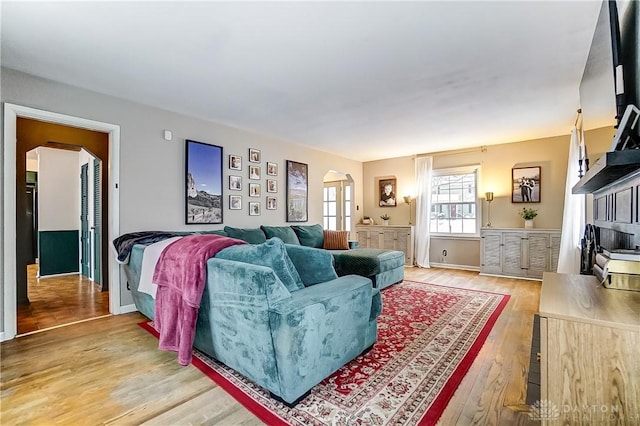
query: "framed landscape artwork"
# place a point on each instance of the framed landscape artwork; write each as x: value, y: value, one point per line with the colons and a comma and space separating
x: 525, y: 185
x: 297, y: 191
x: 203, y: 183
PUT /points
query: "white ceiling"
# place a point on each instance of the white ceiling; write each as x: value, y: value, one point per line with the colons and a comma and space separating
x: 366, y: 80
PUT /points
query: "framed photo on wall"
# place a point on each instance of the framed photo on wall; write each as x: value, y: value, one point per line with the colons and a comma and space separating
x: 525, y: 184
x: 272, y: 185
x: 235, y: 162
x: 254, y: 190
x: 254, y: 209
x: 297, y: 192
x: 203, y: 183
x: 272, y: 203
x: 254, y: 172
x: 254, y: 155
x: 235, y: 202
x: 235, y: 182
x: 387, y: 192
x: 272, y: 169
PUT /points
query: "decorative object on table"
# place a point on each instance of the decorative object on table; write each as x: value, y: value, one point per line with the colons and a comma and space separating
x: 272, y: 203
x: 525, y: 184
x: 489, y: 198
x: 272, y: 169
x: 367, y: 220
x: 254, y: 155
x: 235, y: 162
x: 356, y: 392
x: 254, y: 190
x: 387, y: 191
x: 385, y: 219
x: 297, y: 191
x: 254, y: 172
x: 203, y: 198
x: 272, y: 185
x: 408, y: 201
x: 528, y: 215
x: 254, y: 209
x: 235, y: 202
x: 235, y: 182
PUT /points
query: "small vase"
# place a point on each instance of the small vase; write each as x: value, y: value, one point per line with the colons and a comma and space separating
x: 528, y: 224
x: 385, y: 222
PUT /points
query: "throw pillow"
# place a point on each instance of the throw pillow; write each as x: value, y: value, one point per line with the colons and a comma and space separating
x: 309, y: 235
x: 252, y: 236
x: 285, y: 233
x: 272, y: 254
x: 336, y: 240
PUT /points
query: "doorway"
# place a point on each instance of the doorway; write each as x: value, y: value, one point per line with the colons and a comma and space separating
x: 14, y: 171
x: 61, y: 277
x: 337, y: 202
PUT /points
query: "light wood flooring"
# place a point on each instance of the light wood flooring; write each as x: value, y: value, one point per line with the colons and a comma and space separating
x: 59, y: 300
x: 109, y: 371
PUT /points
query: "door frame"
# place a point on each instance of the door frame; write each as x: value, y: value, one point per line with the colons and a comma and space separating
x: 11, y: 114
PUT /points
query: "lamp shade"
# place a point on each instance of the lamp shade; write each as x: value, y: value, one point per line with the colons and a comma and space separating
x: 407, y: 199
x: 489, y: 196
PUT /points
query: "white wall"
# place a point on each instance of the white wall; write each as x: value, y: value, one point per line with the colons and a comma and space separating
x: 152, y: 177
x: 58, y: 190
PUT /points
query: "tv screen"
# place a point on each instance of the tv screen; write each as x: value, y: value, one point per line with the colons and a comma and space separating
x: 602, y: 86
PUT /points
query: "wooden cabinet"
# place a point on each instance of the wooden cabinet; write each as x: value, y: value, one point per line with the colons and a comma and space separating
x: 518, y: 252
x: 390, y: 237
x: 589, y: 340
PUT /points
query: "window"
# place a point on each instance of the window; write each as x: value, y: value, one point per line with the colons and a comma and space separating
x: 454, y: 201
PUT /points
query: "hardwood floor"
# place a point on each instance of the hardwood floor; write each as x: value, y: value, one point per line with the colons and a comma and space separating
x: 109, y: 371
x: 60, y: 300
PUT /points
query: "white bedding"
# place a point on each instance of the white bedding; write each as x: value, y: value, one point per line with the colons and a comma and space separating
x: 149, y: 260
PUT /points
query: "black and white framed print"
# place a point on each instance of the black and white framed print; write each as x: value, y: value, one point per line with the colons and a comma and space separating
x: 235, y: 183
x: 254, y: 155
x: 235, y: 162
x: 254, y: 209
x: 203, y: 183
x: 272, y: 169
x: 235, y: 202
x: 254, y: 190
x: 272, y: 185
x: 525, y: 185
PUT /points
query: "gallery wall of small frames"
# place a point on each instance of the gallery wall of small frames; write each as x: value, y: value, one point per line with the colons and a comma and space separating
x: 260, y: 177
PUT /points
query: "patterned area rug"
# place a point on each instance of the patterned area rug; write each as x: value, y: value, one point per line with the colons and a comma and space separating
x: 428, y: 337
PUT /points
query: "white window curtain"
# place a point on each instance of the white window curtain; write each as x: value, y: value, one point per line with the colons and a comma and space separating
x: 424, y: 169
x: 574, y: 213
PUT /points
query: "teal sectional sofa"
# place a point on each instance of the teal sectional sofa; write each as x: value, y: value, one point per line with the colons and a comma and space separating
x: 278, y: 314
x: 383, y: 267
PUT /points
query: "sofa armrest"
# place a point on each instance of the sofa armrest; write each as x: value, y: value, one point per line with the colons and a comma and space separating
x: 318, y: 330
x: 313, y: 265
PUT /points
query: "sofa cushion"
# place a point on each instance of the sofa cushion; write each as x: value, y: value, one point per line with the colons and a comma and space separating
x: 272, y: 254
x: 309, y: 235
x: 252, y: 236
x: 336, y: 240
x: 285, y: 233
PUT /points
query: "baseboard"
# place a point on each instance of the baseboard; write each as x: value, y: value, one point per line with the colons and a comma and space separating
x: 510, y: 276
x: 452, y: 266
x: 59, y: 275
x: 127, y: 309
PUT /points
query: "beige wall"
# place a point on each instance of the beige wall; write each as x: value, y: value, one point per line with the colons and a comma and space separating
x: 550, y: 154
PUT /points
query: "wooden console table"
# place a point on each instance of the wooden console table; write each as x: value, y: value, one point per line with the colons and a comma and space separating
x: 590, y: 351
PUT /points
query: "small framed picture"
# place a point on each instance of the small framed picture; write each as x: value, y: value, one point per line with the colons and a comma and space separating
x: 235, y: 202
x: 254, y: 209
x: 272, y: 203
x: 272, y: 185
x: 254, y: 172
x: 254, y: 190
x: 235, y: 183
x: 272, y: 169
x: 235, y: 162
x: 254, y: 155
x: 525, y: 186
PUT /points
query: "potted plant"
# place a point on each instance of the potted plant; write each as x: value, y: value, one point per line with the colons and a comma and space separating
x: 385, y: 218
x: 528, y: 215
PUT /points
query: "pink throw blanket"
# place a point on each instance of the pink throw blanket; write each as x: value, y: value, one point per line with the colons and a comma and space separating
x: 181, y: 276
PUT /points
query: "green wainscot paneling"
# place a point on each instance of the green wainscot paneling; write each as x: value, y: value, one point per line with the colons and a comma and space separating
x: 59, y: 252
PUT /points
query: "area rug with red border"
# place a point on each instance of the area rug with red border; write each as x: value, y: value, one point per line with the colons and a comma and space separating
x: 428, y: 337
